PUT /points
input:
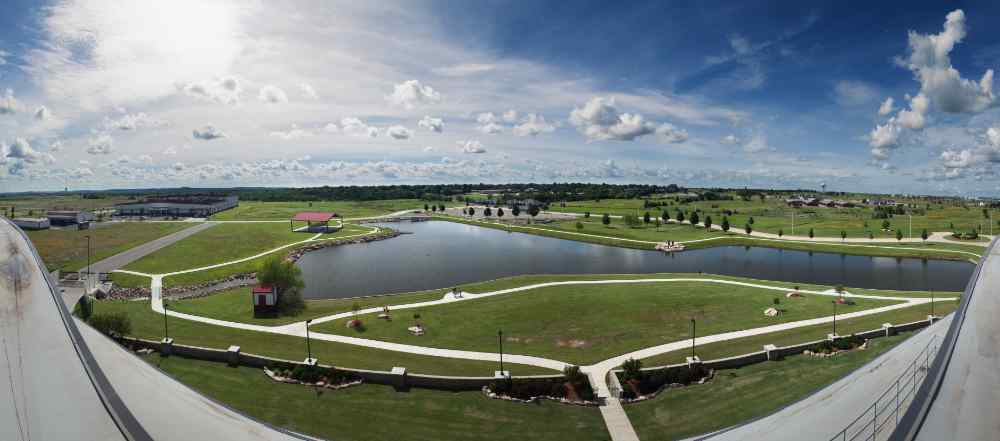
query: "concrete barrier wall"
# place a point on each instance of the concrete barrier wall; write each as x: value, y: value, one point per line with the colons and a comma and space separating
x: 737, y: 361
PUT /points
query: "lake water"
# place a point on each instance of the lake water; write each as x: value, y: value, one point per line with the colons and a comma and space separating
x: 444, y: 254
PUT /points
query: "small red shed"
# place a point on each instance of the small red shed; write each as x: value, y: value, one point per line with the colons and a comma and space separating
x: 264, y: 299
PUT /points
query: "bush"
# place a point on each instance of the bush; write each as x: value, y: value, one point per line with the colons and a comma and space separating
x: 654, y: 380
x: 314, y: 374
x: 112, y: 324
x: 632, y: 370
x: 86, y: 308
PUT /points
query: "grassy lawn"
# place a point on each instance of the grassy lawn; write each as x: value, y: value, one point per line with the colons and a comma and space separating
x: 233, y: 305
x: 257, y: 210
x: 772, y: 215
x: 66, y: 249
x: 583, y: 324
x: 370, y: 412
x: 617, y: 230
x: 148, y: 324
x: 219, y: 244
x: 738, y: 395
x: 740, y: 346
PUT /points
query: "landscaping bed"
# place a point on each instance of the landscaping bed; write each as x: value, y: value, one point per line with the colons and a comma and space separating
x: 828, y: 348
x: 639, y: 385
x: 572, y: 388
x: 316, y: 376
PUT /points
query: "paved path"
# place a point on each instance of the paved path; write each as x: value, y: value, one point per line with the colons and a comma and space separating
x: 755, y: 237
x: 122, y: 259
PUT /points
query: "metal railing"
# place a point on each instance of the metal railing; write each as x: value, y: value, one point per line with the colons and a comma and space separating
x: 878, y: 420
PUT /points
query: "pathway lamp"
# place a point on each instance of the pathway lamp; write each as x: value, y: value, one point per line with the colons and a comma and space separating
x: 693, y: 335
x: 834, y: 317
x: 500, y: 341
x: 309, y: 352
x: 932, y: 303
x: 88, y: 261
x: 166, y: 333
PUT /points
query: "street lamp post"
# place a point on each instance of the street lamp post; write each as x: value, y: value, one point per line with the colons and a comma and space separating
x: 88, y: 261
x: 166, y: 330
x: 500, y: 341
x: 932, y: 303
x: 309, y: 352
x: 834, y: 317
x: 693, y: 335
x: 911, y: 224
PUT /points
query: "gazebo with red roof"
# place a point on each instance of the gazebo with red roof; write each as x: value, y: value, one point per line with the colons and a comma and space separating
x: 310, y: 217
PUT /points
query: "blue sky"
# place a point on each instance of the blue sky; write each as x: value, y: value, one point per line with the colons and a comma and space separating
x: 226, y: 93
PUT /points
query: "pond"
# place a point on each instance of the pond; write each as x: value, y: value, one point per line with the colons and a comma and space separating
x: 439, y: 254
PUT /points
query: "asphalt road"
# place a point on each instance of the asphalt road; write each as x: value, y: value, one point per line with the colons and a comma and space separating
x: 124, y: 258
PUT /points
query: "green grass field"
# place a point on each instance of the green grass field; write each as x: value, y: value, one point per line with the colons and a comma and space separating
x: 773, y: 214
x: 583, y: 324
x: 148, y: 324
x: 371, y: 412
x: 233, y: 305
x: 219, y: 244
x: 740, y: 346
x: 66, y: 249
x: 257, y: 210
x: 611, y: 235
x: 737, y: 395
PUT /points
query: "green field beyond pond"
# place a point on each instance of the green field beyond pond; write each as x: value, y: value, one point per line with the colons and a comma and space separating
x: 66, y: 249
x: 218, y: 244
x: 773, y: 214
x: 257, y: 210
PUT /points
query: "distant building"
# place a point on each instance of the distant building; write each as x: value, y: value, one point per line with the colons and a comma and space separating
x: 69, y: 217
x: 264, y: 299
x: 32, y: 223
x: 525, y: 204
x: 798, y: 201
x: 178, y: 206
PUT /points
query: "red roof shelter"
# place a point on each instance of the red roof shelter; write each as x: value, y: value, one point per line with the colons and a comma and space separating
x: 264, y: 299
x: 311, y: 217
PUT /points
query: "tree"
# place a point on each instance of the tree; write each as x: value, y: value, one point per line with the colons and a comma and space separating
x: 533, y: 211
x: 899, y: 235
x: 812, y: 233
x: 750, y: 221
x: 645, y: 218
x: 579, y: 225
x: 606, y: 220
x: 665, y: 216
x: 923, y: 234
x: 426, y: 208
x: 708, y: 222
x: 886, y: 225
x: 632, y: 370
x: 499, y: 212
x: 472, y: 211
x: 516, y: 211
x: 586, y: 215
x: 286, y: 278
x: 680, y: 216
x: 694, y: 218
x: 434, y: 208
x: 781, y: 232
x: 843, y: 235
x: 488, y: 212
x: 441, y: 207
x: 871, y: 236
x: 748, y: 228
x: 725, y: 223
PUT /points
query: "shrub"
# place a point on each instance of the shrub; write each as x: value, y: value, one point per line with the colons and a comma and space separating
x: 632, y: 370
x: 86, y: 308
x: 112, y: 324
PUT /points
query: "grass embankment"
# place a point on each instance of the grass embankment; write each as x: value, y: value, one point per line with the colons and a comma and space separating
x: 220, y: 244
x: 149, y: 325
x: 738, y: 395
x: 257, y: 210
x: 370, y: 412
x: 772, y: 215
x: 583, y: 324
x: 746, y: 345
x: 66, y: 249
x: 234, y: 304
x: 617, y: 234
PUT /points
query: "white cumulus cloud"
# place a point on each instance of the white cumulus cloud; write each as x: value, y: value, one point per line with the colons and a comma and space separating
x: 272, y: 94
x: 398, y: 132
x: 886, y: 107
x: 432, y: 124
x: 600, y: 120
x: 8, y: 104
x: 532, y: 125
x: 411, y: 94
x: 224, y: 90
x: 100, y: 144
x: 471, y: 146
x: 355, y: 127
x: 208, y: 133
x: 308, y: 91
x: 294, y: 132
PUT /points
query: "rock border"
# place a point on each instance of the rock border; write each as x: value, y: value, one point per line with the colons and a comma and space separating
x: 649, y: 396
x: 532, y: 400
x: 275, y: 377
